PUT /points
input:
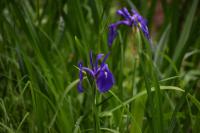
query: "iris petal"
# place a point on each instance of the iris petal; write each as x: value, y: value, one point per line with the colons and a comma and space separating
x: 124, y: 13
x: 113, y: 30
x: 99, y: 56
x: 104, y: 80
x: 80, y: 88
x: 91, y: 72
x: 127, y: 14
x: 142, y: 23
x: 91, y: 61
x: 124, y: 22
x: 104, y: 60
x: 112, y: 33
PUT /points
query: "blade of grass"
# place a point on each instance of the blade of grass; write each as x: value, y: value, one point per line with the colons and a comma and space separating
x: 108, y: 113
x: 178, y: 54
x: 161, y: 46
x: 194, y: 100
x: 67, y: 89
x: 20, y: 124
x: 125, y: 108
x: 7, y: 128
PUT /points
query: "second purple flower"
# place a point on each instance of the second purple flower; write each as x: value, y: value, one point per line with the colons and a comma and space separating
x: 130, y: 19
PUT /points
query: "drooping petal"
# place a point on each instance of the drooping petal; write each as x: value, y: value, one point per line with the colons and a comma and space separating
x: 113, y: 30
x: 142, y: 20
x: 112, y: 33
x: 124, y: 22
x: 79, y: 87
x: 141, y: 23
x: 81, y: 69
x: 104, y: 79
x: 143, y: 27
x: 145, y: 31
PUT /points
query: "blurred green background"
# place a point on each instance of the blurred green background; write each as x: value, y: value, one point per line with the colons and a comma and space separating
x: 42, y: 41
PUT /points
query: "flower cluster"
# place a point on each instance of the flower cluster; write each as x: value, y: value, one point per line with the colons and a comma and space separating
x: 103, y: 77
x: 130, y: 19
x: 101, y: 73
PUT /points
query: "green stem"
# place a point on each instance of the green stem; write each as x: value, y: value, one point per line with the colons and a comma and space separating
x: 150, y: 79
x: 146, y: 75
x: 95, y: 112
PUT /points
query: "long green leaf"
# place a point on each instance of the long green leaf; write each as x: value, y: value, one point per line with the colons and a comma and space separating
x: 108, y: 113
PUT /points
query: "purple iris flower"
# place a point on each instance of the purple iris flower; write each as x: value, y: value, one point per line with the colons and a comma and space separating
x: 130, y: 19
x: 101, y: 73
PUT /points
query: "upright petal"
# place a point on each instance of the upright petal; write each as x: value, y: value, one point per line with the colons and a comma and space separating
x: 99, y: 56
x: 91, y: 61
x: 104, y: 60
x: 124, y: 13
x: 121, y: 13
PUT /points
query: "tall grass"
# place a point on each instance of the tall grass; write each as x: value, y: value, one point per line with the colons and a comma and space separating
x: 41, y: 42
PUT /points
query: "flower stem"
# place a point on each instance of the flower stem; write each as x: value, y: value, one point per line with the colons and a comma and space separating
x: 95, y: 112
x: 150, y: 80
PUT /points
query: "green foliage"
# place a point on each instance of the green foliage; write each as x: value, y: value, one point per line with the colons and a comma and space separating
x: 155, y: 90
